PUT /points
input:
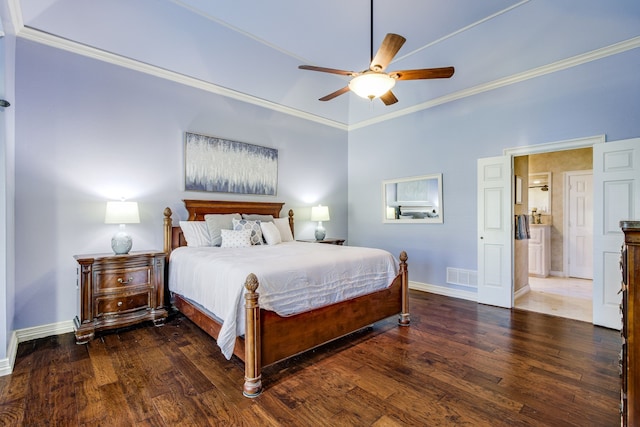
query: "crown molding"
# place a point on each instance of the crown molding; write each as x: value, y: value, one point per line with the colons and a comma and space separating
x: 101, y: 55
x: 547, y: 147
x: 37, y: 36
x: 564, y: 64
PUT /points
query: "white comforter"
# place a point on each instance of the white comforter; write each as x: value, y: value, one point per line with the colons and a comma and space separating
x: 293, y: 276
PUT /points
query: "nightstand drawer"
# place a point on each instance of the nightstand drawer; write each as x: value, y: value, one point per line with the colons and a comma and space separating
x: 119, y: 290
x: 113, y: 279
x: 122, y: 303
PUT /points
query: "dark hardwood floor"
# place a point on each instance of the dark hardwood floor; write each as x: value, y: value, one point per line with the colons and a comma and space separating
x: 458, y: 363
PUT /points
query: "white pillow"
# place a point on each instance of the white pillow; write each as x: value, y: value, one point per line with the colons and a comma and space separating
x: 254, y: 226
x: 196, y: 233
x: 284, y: 229
x: 270, y: 233
x: 217, y: 222
x: 258, y: 217
x: 235, y: 238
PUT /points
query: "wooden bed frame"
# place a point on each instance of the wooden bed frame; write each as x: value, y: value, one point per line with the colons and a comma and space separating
x: 265, y: 341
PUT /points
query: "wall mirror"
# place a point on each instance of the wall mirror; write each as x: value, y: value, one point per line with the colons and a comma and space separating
x: 413, y: 200
x: 540, y: 192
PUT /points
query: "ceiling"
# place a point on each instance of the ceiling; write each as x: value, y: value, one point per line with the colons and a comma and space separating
x: 251, y: 49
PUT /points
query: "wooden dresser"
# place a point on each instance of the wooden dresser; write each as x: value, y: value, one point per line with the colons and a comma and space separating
x: 118, y: 290
x: 630, y: 355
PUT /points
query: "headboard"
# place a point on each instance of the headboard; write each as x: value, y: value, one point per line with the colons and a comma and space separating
x: 197, y: 209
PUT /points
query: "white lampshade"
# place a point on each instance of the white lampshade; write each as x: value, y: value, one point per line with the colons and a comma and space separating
x: 371, y: 85
x: 122, y: 213
x: 320, y: 213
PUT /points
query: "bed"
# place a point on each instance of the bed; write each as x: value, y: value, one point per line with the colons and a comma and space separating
x: 269, y: 337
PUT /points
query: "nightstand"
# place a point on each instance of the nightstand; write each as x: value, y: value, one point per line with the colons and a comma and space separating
x: 327, y: 241
x: 119, y: 290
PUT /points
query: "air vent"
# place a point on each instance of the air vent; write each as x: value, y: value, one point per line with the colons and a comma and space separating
x: 459, y: 276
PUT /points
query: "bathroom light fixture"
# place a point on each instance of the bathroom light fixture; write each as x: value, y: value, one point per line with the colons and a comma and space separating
x: 121, y: 213
x: 320, y: 213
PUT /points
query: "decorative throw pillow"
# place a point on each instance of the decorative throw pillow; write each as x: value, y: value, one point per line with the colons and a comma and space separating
x: 258, y: 217
x: 254, y: 226
x: 196, y: 233
x: 284, y: 229
x: 270, y: 233
x: 217, y: 222
x: 235, y: 238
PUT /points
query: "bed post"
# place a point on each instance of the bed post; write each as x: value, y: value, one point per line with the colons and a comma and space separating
x: 291, y: 222
x: 404, y: 319
x: 252, y: 358
x: 168, y: 223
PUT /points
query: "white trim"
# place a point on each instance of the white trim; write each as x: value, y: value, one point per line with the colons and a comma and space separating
x: 522, y: 292
x: 71, y: 46
x: 509, y: 80
x: 461, y: 30
x: 442, y: 290
x: 132, y: 64
x: 548, y: 147
x: 6, y: 365
x: 28, y: 334
x: 15, y: 10
x: 569, y: 144
x: 42, y: 331
x: 238, y: 30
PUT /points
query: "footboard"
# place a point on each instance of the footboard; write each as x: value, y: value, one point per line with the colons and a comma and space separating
x: 270, y: 338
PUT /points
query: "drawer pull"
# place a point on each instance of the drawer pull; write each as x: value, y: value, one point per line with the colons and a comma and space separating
x: 124, y: 282
x: 119, y: 303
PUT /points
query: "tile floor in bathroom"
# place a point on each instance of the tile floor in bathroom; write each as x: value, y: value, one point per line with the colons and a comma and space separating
x: 559, y: 296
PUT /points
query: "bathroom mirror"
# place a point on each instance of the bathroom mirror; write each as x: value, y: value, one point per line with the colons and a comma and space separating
x: 540, y: 192
x: 413, y: 200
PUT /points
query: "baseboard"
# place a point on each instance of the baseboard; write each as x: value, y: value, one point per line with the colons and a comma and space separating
x: 521, y: 292
x: 28, y: 334
x: 6, y: 365
x: 441, y: 290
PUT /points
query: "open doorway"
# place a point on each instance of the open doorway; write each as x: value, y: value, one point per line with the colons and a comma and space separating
x: 616, y: 196
x: 559, y: 205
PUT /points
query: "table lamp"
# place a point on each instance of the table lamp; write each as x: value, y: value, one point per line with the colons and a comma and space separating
x: 121, y: 213
x: 320, y: 213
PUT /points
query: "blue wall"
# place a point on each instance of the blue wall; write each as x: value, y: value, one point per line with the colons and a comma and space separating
x: 597, y: 98
x: 88, y: 132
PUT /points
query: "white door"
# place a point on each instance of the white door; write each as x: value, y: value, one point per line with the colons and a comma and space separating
x: 495, y: 232
x: 616, y: 180
x: 580, y: 221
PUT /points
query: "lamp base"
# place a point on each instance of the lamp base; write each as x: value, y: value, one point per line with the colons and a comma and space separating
x: 121, y: 243
x: 320, y: 233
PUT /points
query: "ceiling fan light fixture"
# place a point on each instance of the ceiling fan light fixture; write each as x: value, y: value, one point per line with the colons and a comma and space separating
x: 371, y: 85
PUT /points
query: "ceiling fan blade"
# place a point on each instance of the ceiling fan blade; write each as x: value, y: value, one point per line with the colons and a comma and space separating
x: 390, y: 46
x: 425, y: 73
x: 327, y: 70
x: 334, y: 94
x: 389, y: 98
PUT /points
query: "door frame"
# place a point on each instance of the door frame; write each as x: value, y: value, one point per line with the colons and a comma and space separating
x: 569, y: 144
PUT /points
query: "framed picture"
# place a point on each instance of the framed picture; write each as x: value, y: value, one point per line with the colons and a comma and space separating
x: 518, y: 190
x: 225, y: 166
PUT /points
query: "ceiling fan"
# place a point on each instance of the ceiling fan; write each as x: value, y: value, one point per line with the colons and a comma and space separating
x: 374, y: 82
